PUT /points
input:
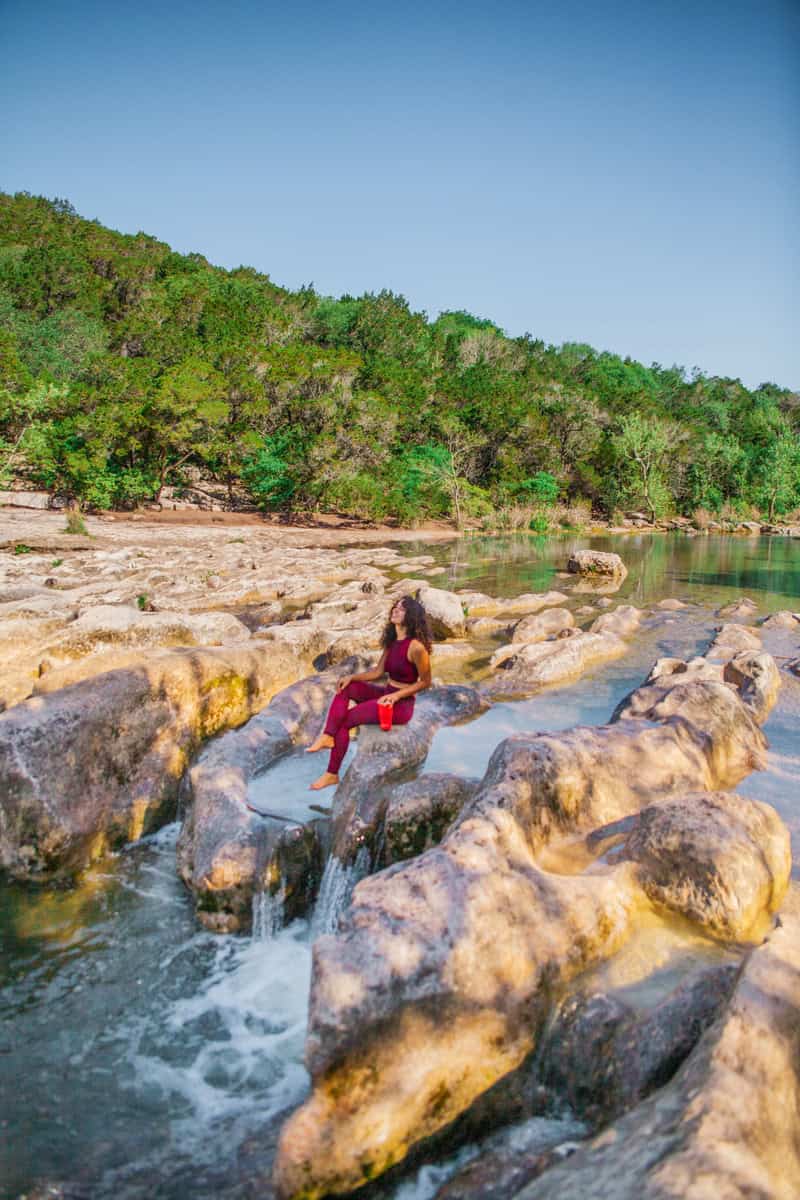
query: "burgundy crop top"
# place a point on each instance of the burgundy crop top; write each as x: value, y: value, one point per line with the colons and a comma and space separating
x: 399, y: 666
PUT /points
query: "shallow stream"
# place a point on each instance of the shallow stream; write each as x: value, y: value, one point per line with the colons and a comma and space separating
x: 138, y: 1054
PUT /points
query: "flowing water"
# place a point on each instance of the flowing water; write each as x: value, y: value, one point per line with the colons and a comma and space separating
x: 140, y: 1056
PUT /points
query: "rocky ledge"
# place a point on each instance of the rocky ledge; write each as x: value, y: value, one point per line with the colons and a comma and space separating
x: 442, y: 973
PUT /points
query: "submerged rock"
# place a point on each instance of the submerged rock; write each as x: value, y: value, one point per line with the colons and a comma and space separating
x: 528, y: 667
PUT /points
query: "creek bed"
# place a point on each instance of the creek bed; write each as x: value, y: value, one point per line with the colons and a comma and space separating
x: 138, y: 1053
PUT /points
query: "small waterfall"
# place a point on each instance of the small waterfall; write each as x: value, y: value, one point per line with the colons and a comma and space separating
x: 336, y: 889
x: 268, y: 914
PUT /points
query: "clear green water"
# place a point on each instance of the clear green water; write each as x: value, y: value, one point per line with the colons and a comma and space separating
x: 706, y: 570
x: 138, y: 1054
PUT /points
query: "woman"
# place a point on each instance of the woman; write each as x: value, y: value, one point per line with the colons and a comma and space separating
x: 406, y: 660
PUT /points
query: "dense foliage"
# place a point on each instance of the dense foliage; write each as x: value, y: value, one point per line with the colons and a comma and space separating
x: 125, y: 367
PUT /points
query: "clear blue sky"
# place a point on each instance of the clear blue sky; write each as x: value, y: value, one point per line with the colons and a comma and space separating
x: 625, y: 174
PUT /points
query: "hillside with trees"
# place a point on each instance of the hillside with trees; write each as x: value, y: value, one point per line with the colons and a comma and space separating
x: 126, y: 368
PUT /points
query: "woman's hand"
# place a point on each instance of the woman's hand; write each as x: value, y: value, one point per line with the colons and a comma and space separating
x: 343, y: 682
x: 390, y: 698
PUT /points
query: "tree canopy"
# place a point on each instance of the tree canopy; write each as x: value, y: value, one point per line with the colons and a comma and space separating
x: 124, y: 365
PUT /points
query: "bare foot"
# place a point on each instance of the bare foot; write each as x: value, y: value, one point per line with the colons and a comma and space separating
x: 323, y: 742
x: 326, y: 780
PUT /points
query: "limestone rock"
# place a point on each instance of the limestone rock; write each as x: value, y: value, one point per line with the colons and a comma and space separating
x: 477, y: 604
x: 540, y: 626
x: 782, y: 620
x: 490, y: 627
x: 757, y: 679
x: 97, y: 764
x: 109, y: 625
x: 726, y: 1125
x: 528, y: 667
x: 444, y: 610
x: 717, y: 858
x: 596, y: 562
x: 623, y: 621
x: 529, y: 602
x: 419, y: 813
x: 743, y: 609
x: 731, y: 639
x: 602, y: 1057
x: 439, y: 978
x: 227, y: 852
x: 361, y: 798
x: 26, y: 499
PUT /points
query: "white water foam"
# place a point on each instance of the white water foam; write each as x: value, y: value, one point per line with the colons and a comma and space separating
x: 336, y: 889
x: 231, y: 1053
x: 268, y: 913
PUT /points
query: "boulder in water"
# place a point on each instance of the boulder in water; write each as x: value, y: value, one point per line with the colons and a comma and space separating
x: 445, y: 612
x: 539, y: 626
x: 742, y: 609
x: 623, y: 621
x: 528, y: 667
x: 596, y: 563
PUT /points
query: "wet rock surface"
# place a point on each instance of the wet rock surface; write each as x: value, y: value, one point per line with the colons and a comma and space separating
x: 419, y: 813
x: 226, y: 851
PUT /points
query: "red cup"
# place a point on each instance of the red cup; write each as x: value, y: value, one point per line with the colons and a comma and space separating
x: 385, y: 716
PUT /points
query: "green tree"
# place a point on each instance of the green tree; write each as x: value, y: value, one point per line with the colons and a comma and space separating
x: 185, y: 415
x: 642, y: 446
x: 777, y: 473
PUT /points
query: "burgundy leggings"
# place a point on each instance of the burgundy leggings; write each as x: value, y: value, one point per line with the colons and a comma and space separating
x: 341, y: 718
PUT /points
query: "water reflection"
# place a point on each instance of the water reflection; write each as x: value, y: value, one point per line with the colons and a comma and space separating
x: 708, y: 570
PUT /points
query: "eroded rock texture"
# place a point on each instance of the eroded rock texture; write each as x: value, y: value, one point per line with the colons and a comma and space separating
x: 726, y: 1125
x: 227, y: 852
x: 443, y: 969
x: 93, y: 765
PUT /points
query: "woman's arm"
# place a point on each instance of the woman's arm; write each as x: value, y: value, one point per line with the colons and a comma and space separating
x: 364, y: 676
x: 422, y: 661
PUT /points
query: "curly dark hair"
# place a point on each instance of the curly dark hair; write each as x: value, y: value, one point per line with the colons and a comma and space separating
x: 416, y: 623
